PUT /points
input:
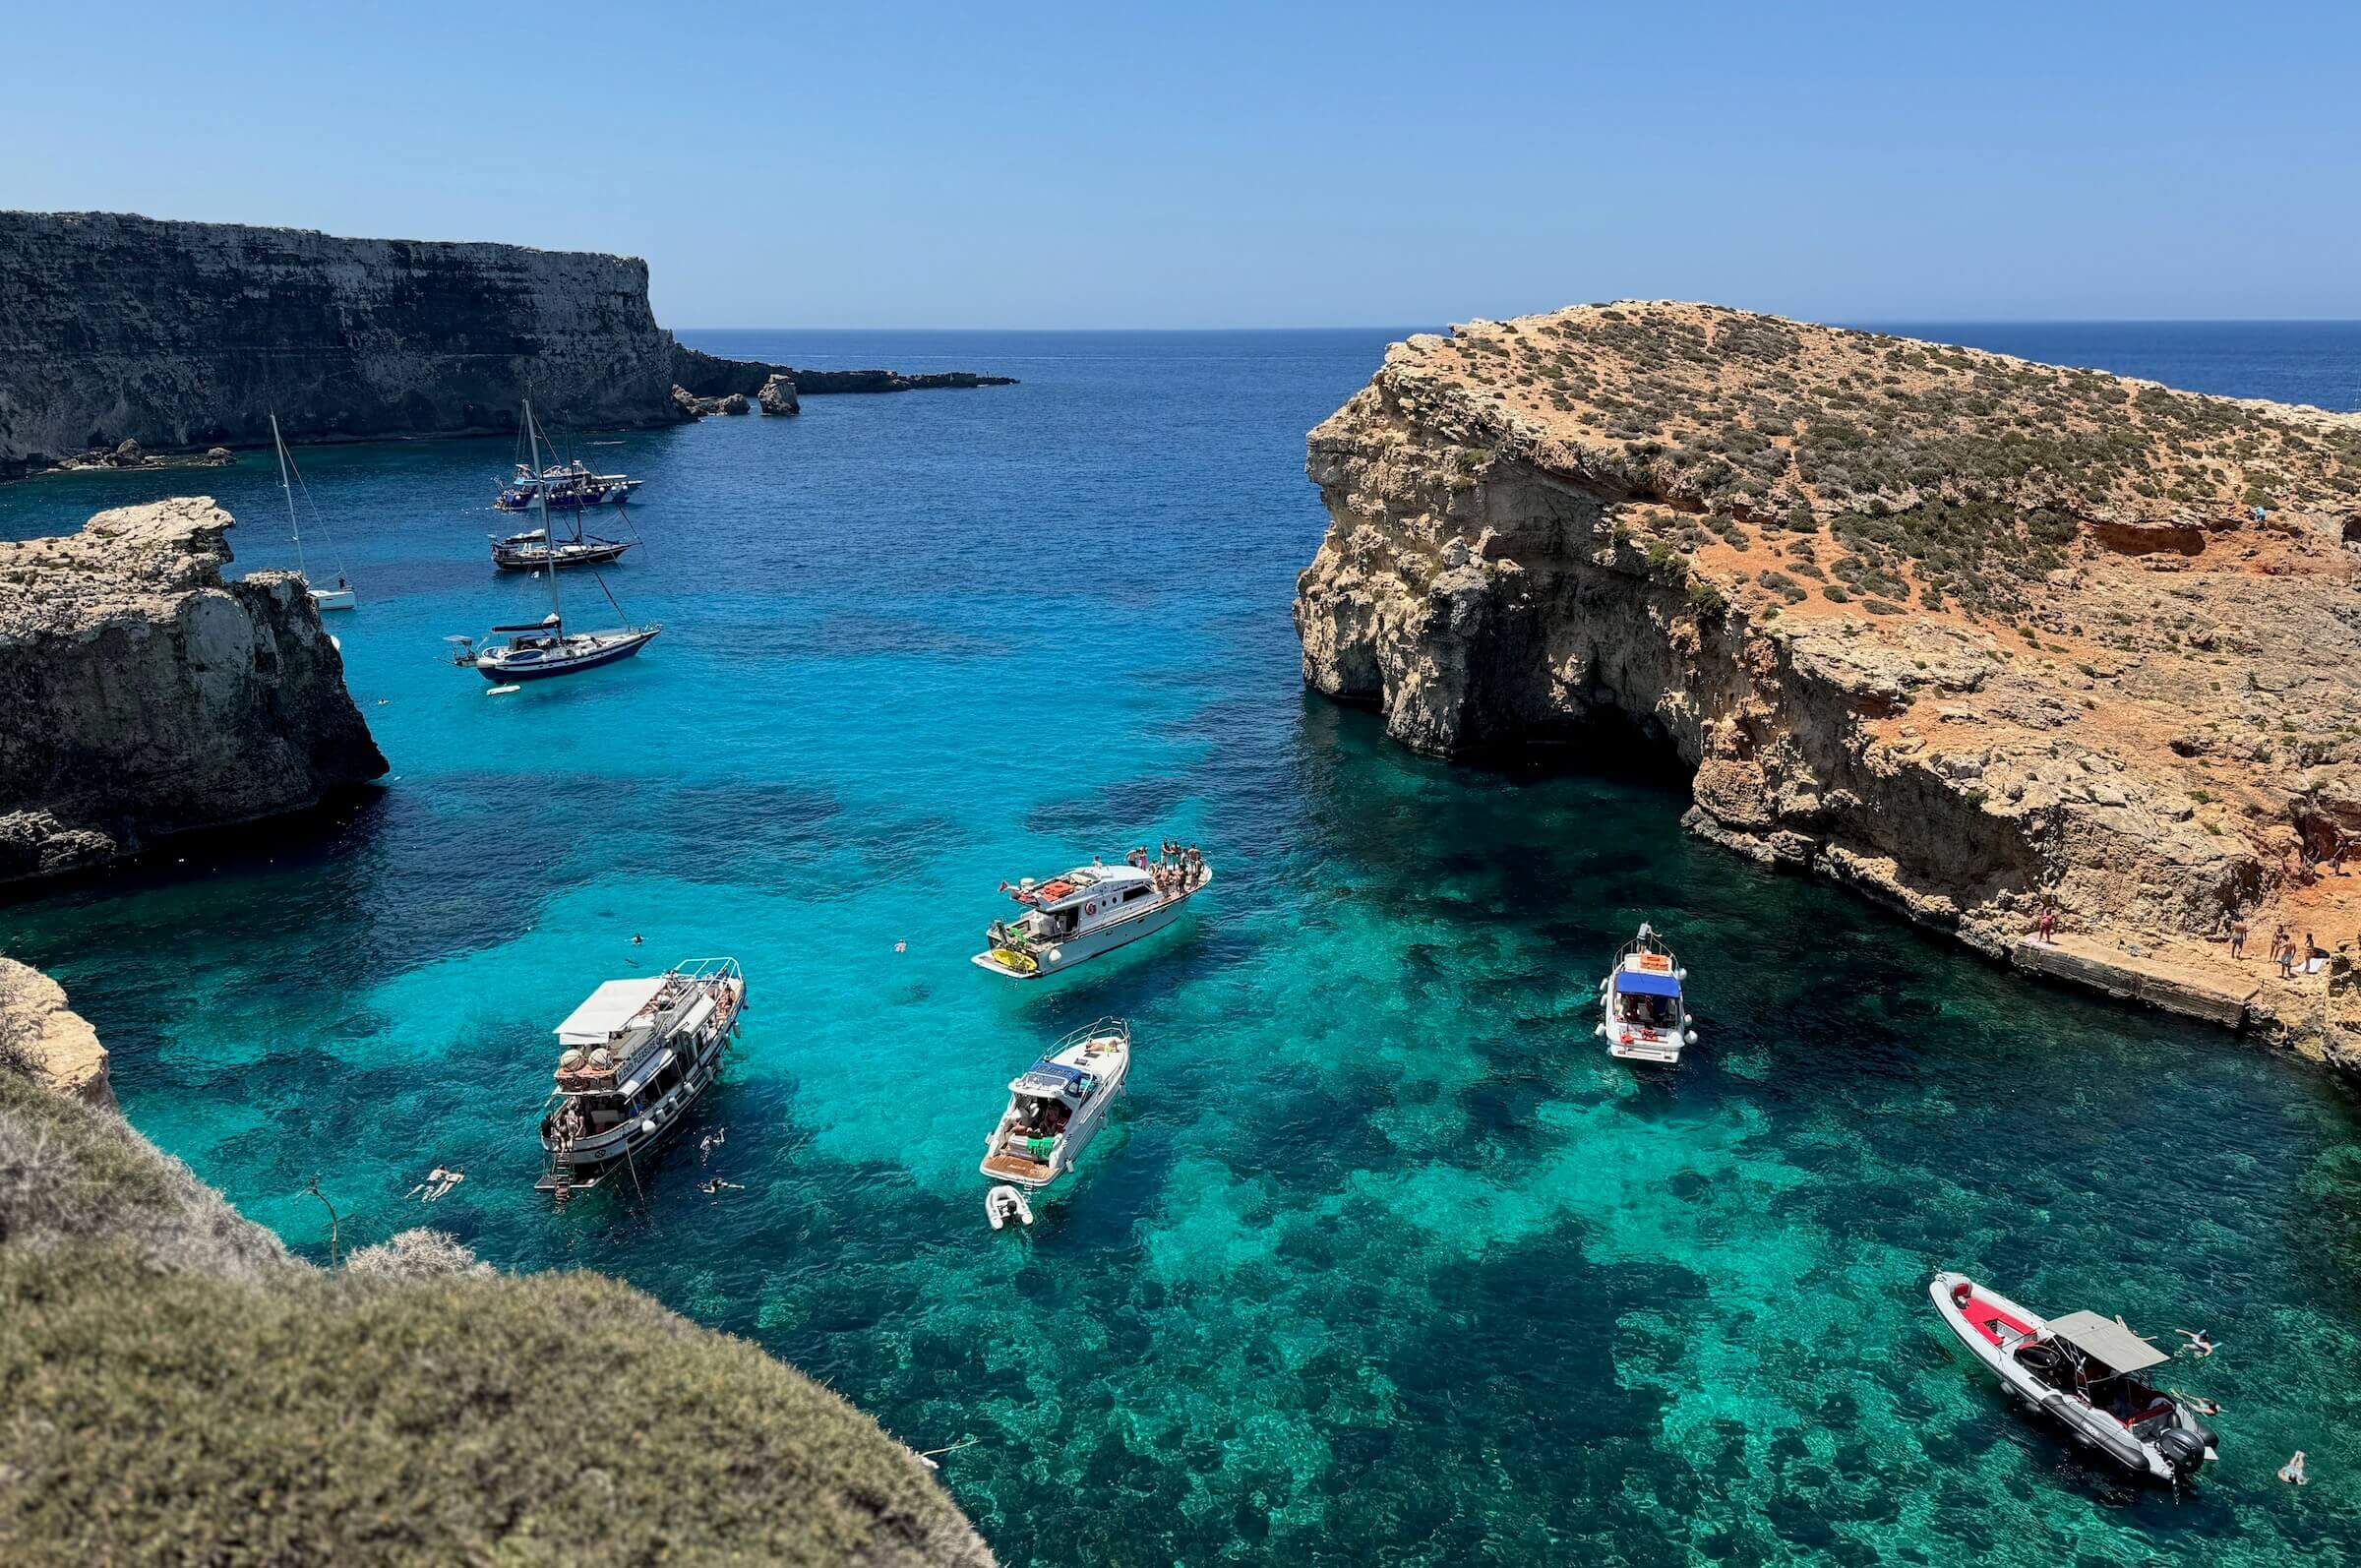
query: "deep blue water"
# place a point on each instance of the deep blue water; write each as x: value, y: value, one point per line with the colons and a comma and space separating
x: 1382, y: 1260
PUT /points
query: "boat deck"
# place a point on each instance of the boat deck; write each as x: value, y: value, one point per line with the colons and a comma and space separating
x: 1016, y: 1166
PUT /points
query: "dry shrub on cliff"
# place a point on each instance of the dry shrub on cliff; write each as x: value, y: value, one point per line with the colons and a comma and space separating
x: 71, y: 1173
x: 546, y: 1418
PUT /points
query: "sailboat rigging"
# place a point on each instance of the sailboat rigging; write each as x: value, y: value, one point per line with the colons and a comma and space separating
x: 537, y: 651
x: 339, y: 597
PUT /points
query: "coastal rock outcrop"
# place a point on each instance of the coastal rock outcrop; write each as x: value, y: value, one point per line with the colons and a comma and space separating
x: 170, y: 334
x: 142, y: 694
x: 704, y: 374
x: 1975, y: 636
x: 175, y: 1375
x: 777, y: 395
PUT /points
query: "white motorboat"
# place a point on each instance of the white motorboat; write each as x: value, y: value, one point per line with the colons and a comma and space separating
x: 634, y: 1058
x: 339, y: 597
x: 2082, y: 1369
x: 1059, y: 1106
x: 1644, y: 1015
x: 1088, y: 911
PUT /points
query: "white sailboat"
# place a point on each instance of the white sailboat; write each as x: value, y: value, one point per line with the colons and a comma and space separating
x: 339, y: 597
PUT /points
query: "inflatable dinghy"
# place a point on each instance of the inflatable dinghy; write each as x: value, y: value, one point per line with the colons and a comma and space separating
x: 1004, y: 1204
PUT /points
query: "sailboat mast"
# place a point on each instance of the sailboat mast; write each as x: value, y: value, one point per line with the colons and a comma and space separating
x: 548, y: 540
x: 279, y: 444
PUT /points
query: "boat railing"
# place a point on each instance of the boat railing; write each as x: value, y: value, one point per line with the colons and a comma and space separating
x: 1110, y: 1025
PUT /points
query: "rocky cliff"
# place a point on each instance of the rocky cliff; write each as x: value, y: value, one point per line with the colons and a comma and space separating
x: 1973, y: 634
x: 181, y: 1388
x: 142, y: 695
x: 117, y: 327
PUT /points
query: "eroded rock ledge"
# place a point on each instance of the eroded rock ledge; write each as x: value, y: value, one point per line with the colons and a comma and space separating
x: 1964, y: 632
x: 142, y: 694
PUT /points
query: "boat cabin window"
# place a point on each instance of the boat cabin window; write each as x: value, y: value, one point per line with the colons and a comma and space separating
x: 1656, y: 1013
x: 601, y: 1114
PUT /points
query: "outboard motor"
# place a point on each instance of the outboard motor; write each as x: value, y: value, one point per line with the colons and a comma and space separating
x: 2185, y: 1448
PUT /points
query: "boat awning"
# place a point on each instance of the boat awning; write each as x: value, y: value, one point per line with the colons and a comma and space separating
x: 2106, y: 1339
x: 1631, y: 983
x: 607, y: 1010
x: 647, y: 1072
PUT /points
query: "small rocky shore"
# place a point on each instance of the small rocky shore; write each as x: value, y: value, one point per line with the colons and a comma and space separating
x: 143, y: 694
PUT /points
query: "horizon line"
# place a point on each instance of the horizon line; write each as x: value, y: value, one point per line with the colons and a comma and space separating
x: 1396, y: 327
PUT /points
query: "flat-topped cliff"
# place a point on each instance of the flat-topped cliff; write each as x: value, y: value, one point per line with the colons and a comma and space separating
x: 1974, y: 635
x: 114, y: 327
x: 142, y: 694
x: 180, y: 1387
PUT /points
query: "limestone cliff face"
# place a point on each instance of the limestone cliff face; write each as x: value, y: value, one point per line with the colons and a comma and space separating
x: 1971, y: 634
x: 140, y: 695
x: 115, y: 327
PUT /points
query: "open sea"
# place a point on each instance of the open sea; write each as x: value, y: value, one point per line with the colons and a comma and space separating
x: 1382, y: 1260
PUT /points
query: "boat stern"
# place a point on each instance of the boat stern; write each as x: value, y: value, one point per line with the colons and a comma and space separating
x: 1009, y: 962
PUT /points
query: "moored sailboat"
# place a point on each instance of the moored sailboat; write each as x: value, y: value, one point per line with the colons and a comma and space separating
x: 339, y: 597
x: 540, y: 649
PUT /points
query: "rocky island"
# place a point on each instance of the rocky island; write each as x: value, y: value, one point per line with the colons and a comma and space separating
x: 181, y: 1387
x: 123, y: 334
x: 142, y: 694
x: 1975, y: 636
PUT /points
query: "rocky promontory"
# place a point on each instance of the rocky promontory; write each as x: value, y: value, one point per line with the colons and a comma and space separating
x: 125, y: 340
x: 1975, y: 636
x: 181, y: 1388
x: 142, y: 694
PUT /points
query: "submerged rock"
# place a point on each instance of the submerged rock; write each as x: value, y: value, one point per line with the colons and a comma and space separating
x: 1970, y: 633
x: 142, y: 694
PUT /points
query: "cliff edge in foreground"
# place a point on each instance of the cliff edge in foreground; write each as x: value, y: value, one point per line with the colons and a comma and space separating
x: 179, y: 1388
x: 140, y: 695
x: 1970, y: 633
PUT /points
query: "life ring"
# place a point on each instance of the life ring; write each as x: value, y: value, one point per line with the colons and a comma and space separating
x: 1090, y: 909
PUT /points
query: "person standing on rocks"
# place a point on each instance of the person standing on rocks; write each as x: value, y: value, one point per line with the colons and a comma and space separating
x: 2046, y: 924
x: 2237, y: 938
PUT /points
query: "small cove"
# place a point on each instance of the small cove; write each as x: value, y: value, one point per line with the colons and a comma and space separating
x: 1381, y: 1259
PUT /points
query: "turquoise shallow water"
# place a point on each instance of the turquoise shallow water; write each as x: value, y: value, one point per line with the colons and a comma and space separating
x: 1381, y: 1259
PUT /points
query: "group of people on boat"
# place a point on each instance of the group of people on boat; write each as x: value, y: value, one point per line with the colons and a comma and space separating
x: 1176, y: 869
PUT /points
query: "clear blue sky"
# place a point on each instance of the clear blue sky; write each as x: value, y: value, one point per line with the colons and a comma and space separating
x: 1225, y: 164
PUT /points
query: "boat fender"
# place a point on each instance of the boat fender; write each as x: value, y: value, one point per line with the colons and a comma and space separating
x: 1689, y: 1038
x: 648, y: 1126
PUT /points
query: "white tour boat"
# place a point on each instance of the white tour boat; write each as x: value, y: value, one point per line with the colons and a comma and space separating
x: 2082, y: 1369
x: 1644, y: 1015
x: 1088, y: 911
x: 633, y: 1059
x: 1058, y: 1106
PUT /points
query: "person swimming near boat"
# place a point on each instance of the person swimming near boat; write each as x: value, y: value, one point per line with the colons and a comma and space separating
x: 709, y: 1143
x: 2292, y: 1473
x: 715, y: 1185
x: 437, y: 1182
x: 2199, y: 1345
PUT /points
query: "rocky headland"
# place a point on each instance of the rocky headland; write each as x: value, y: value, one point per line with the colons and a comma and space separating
x: 702, y: 374
x: 142, y: 694
x: 1973, y: 634
x: 180, y: 1387
x: 178, y: 338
